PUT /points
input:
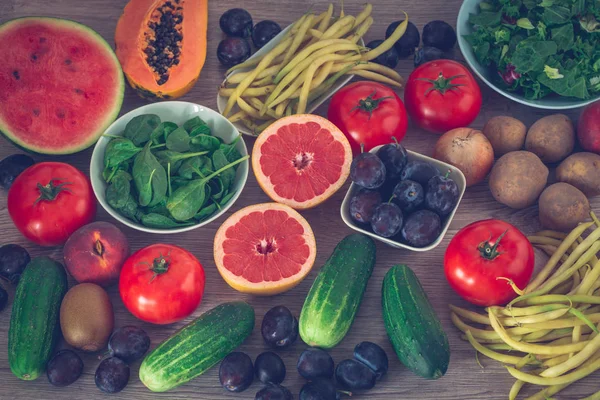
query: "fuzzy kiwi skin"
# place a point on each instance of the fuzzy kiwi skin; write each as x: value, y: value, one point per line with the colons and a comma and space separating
x: 563, y: 207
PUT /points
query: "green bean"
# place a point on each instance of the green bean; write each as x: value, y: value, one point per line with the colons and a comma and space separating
x: 576, y: 375
x: 590, y: 279
x: 533, y: 310
x: 552, y: 234
x: 529, y: 347
x: 546, y: 393
x: 551, y: 362
x: 564, y: 322
x: 535, y: 240
x: 532, y: 319
x: 470, y: 315
x: 515, y: 389
x: 503, y: 358
x: 588, y: 351
x: 484, y: 334
x: 559, y: 298
x: 553, y: 261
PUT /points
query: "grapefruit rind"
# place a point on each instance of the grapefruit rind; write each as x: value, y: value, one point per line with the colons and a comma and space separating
x: 104, y: 122
x: 243, y: 285
x: 265, y: 182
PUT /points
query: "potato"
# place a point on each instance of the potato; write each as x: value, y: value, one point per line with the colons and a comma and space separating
x: 581, y: 170
x: 518, y: 178
x: 551, y: 138
x: 506, y: 134
x: 563, y: 207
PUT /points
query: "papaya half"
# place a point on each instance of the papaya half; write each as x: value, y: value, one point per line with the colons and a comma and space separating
x: 161, y: 45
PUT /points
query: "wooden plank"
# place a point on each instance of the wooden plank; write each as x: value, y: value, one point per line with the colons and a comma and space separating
x: 465, y: 380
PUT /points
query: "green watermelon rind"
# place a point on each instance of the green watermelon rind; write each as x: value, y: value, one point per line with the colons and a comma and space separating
x: 108, y: 119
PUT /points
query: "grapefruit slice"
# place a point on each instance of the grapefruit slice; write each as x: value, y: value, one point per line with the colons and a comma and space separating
x: 264, y: 249
x: 301, y: 160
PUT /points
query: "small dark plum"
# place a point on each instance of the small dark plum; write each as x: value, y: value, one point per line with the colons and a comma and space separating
x: 363, y: 204
x: 269, y: 368
x: 236, y: 372
x: 263, y: 32
x: 279, y: 327
x: 11, y: 167
x: 439, y: 34
x: 233, y: 50
x: 394, y: 158
x: 387, y: 220
x: 3, y: 298
x: 315, y: 363
x: 236, y: 22
x: 354, y: 375
x: 129, y: 343
x: 389, y: 58
x: 409, y: 195
x: 13, y: 260
x: 422, y: 228
x: 64, y: 368
x: 407, y: 44
x: 419, y: 171
x: 426, y: 54
x: 112, y: 375
x: 319, y: 389
x: 367, y: 170
x: 442, y: 195
x: 274, y: 392
x: 373, y: 356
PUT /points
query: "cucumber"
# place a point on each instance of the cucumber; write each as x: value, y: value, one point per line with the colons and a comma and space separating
x: 197, y: 346
x: 34, y: 322
x: 335, y: 296
x: 412, y: 326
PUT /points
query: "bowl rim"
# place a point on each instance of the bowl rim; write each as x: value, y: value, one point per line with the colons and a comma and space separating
x: 399, y: 245
x: 469, y: 57
x: 98, y: 158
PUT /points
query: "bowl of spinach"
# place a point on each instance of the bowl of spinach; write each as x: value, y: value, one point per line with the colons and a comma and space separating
x: 542, y: 53
x: 169, y: 167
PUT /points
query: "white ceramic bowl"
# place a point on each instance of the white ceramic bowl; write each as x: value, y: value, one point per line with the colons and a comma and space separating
x: 222, y: 101
x: 177, y: 112
x: 455, y: 174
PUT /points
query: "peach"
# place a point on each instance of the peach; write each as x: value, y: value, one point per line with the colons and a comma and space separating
x: 96, y: 253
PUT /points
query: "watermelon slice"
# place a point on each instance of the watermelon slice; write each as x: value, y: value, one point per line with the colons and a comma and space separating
x: 61, y: 85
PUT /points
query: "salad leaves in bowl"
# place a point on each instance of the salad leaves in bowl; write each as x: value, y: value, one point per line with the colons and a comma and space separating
x: 542, y: 53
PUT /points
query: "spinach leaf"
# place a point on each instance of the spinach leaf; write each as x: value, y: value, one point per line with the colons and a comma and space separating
x: 230, y: 150
x: 160, y: 208
x: 228, y: 175
x: 117, y: 193
x: 192, y: 123
x: 571, y: 85
x: 201, y: 163
x: 556, y: 15
x: 531, y: 55
x: 205, y: 143
x: 226, y: 198
x: 578, y: 7
x: 187, y: 201
x: 530, y: 4
x: 169, y: 156
x: 178, y: 182
x: 217, y: 188
x: 160, y: 133
x: 486, y: 18
x: 130, y: 209
x: 118, y: 151
x: 178, y: 140
x: 139, y: 129
x: 563, y: 36
x: 159, y: 221
x: 206, y: 212
x: 200, y: 130
x: 149, y: 177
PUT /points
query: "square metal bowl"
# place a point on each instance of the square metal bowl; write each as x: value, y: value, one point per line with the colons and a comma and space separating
x: 455, y: 174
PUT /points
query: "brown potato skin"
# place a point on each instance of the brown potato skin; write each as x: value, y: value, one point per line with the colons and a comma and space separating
x: 517, y: 179
x: 581, y: 170
x: 563, y: 207
x: 551, y: 138
x: 505, y: 133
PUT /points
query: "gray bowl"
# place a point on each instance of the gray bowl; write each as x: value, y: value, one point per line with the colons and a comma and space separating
x: 464, y: 28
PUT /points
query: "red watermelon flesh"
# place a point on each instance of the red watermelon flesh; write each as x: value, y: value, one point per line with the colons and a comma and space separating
x: 61, y: 85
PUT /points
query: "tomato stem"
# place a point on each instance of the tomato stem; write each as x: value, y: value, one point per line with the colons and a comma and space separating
x: 490, y: 251
x: 160, y: 265
x: 442, y: 84
x: 369, y: 104
x: 50, y: 191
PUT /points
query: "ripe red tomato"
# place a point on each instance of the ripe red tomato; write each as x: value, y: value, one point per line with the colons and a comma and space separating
x: 49, y: 201
x: 369, y: 114
x: 162, y: 283
x: 484, y: 251
x: 441, y: 95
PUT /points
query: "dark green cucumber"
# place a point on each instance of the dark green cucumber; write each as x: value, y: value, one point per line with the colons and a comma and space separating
x: 197, y: 346
x: 412, y: 326
x: 336, y: 294
x: 34, y: 322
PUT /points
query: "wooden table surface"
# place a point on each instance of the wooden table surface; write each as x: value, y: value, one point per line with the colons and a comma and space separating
x: 465, y: 380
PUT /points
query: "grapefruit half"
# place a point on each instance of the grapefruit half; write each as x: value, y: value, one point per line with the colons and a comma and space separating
x: 264, y: 249
x: 301, y: 160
